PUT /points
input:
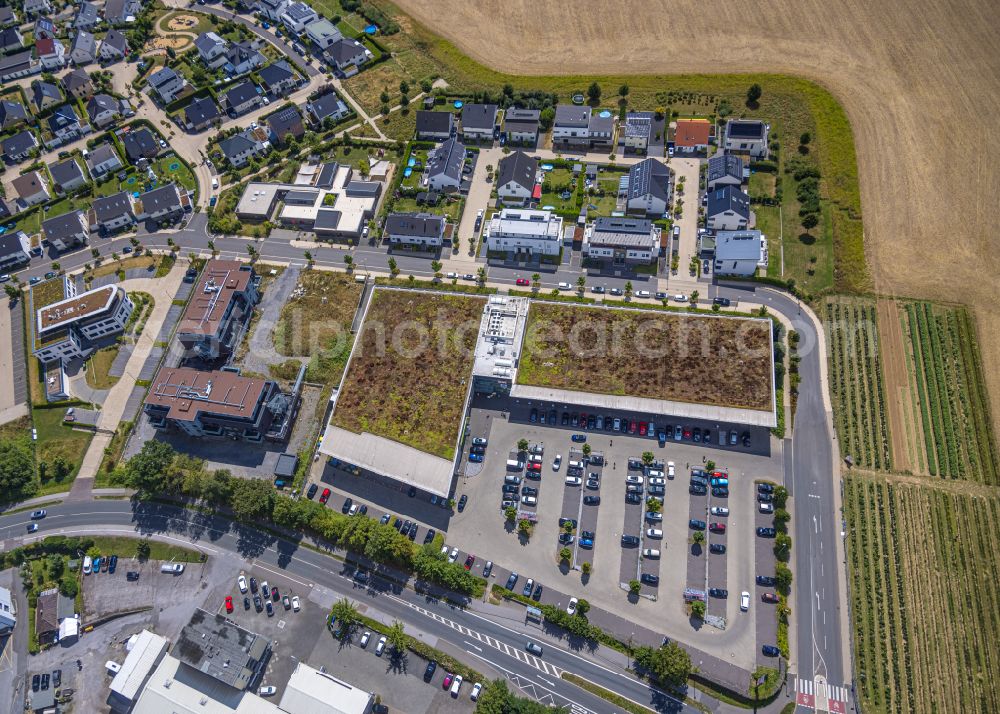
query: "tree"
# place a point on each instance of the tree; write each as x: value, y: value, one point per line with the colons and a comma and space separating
x: 252, y: 499
x: 146, y: 471
x: 594, y: 92
x: 309, y: 257
x: 495, y: 698
x: 698, y: 537
x: 522, y: 445
x: 670, y: 664
x: 481, y: 276
x: 586, y: 568
x: 536, y: 281
x: 628, y: 289
x: 384, y: 97
x: 783, y: 578
x: 634, y: 586
x: 524, y: 527
x: 805, y: 138
x: 781, y: 518
x: 404, y: 100
x: 783, y: 547
x: 623, y: 91
x: 648, y: 458
x: 436, y: 267
x: 780, y: 497
x: 565, y: 554
x: 396, y: 637
x: 346, y: 614
x: 56, y: 266
x: 510, y: 513
x: 810, y: 221
x: 61, y: 468
x: 754, y: 93
x: 698, y: 609
x: 348, y: 261
x: 143, y: 549
x: 404, y: 87
x: 587, y: 449
x: 654, y: 504
x: 13, y: 292
x: 393, y: 268
x: 694, y: 298
x: 581, y: 284
x: 582, y: 607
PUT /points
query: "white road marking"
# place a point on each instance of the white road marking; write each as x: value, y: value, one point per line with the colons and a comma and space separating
x: 282, y: 574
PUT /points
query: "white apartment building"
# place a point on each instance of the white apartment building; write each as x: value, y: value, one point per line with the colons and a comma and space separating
x: 525, y: 232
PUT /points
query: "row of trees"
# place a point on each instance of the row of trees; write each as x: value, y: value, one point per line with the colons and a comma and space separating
x: 158, y: 469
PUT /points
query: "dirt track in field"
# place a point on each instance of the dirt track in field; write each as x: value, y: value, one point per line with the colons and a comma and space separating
x: 897, y: 383
x: 920, y: 81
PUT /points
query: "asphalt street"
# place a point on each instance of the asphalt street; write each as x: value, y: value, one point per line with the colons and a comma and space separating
x: 494, y: 640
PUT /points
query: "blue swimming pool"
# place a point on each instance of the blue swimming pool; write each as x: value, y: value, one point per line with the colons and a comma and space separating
x: 411, y: 162
x: 371, y: 29
x: 547, y: 167
x: 605, y: 114
x: 135, y: 194
x: 407, y: 171
x: 459, y: 104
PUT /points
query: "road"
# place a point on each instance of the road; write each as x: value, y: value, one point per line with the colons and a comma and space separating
x: 476, y: 631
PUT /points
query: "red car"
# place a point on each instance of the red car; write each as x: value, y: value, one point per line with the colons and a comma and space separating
x: 720, y: 474
x: 523, y: 281
x: 717, y: 527
x: 642, y: 428
x: 469, y: 561
x: 583, y: 420
x: 325, y: 496
x: 534, y: 466
x: 447, y: 681
x: 687, y: 433
x: 632, y: 427
x: 229, y: 603
x: 769, y: 597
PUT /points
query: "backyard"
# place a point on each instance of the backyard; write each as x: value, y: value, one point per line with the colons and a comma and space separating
x: 409, y: 374
x: 98, y: 365
x: 59, y: 450
x: 703, y: 359
x: 559, y: 191
x: 452, y: 208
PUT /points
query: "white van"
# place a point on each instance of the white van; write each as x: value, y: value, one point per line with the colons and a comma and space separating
x: 575, y: 464
x: 360, y: 278
x: 514, y: 465
x: 650, y: 553
x: 643, y: 294
x: 535, y: 458
x: 173, y: 568
x: 87, y: 564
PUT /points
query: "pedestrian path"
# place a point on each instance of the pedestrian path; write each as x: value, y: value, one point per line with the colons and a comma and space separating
x: 817, y: 695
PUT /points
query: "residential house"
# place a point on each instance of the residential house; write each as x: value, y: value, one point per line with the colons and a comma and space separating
x: 51, y: 53
x: 516, y: 178
x: 211, y: 49
x: 622, y: 241
x: 18, y: 147
x: 77, y: 84
x: 278, y: 78
x: 167, y: 84
x: 346, y: 56
x: 272, y: 9
x: 86, y: 16
x: 328, y: 106
x: 322, y: 33
x: 121, y: 12
x: 11, y: 40
x: 219, y: 310
x: 73, y: 327
x: 111, y: 213
x: 31, y: 188
x: 241, y: 98
x: 140, y: 144
x: 243, y: 57
x: 728, y: 209
x: 202, y: 113
x: 516, y: 231
x: 296, y: 16
x: 571, y: 125
x: 102, y: 160
x: 12, y: 114
x: 601, y: 130
x: 240, y: 148
x: 479, y: 121
x: 285, y: 122
x: 163, y: 204
x: 84, y: 48
x: 45, y: 95
x: 66, y: 231
x: 724, y: 170
x: 67, y: 175
x: 638, y: 131
x: 749, y: 136
x: 691, y: 136
x: 44, y: 29
x: 102, y: 110
x: 740, y: 252
x: 36, y: 8
x: 51, y: 608
x: 15, y: 249
x: 435, y: 126
x: 521, y: 126
x: 649, y: 188
x: 7, y: 16
x: 19, y: 65
x: 419, y: 230
x: 65, y: 124
x: 114, y: 47
x: 444, y: 166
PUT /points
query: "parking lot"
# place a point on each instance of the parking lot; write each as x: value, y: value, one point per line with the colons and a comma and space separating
x: 481, y: 527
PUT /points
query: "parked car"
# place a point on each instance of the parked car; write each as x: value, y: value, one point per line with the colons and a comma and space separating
x: 312, y: 490
x: 528, y: 585
x: 325, y: 496
x: 717, y: 527
x: 720, y: 593
x: 267, y: 691
x: 429, y: 670
x: 767, y: 532
x: 696, y: 525
x: 770, y: 651
x: 717, y: 548
x: 511, y: 581
x: 630, y: 541
x: 765, y: 507
x: 241, y: 583
x: 591, y: 500
x: 769, y: 597
x: 488, y: 568
x: 744, y: 601
x: 380, y: 646
x: 720, y: 511
x: 650, y: 579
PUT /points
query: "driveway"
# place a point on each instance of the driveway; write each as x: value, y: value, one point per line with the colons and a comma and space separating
x: 261, y: 353
x: 477, y: 200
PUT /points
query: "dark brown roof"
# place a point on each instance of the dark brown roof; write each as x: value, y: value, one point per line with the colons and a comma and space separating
x: 79, y: 307
x: 219, y: 282
x: 46, y: 612
x: 188, y: 392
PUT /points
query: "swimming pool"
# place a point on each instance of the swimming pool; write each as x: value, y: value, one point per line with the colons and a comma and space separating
x: 371, y: 29
x: 547, y: 167
x: 605, y: 114
x: 459, y: 104
x: 411, y: 162
x: 407, y: 172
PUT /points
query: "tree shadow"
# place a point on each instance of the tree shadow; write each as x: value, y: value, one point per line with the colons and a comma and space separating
x: 697, y: 550
x: 696, y: 622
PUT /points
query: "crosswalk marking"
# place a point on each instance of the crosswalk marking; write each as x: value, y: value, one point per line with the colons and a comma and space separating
x: 819, y: 695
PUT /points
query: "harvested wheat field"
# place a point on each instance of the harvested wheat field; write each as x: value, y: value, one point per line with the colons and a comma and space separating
x: 920, y: 81
x: 722, y: 361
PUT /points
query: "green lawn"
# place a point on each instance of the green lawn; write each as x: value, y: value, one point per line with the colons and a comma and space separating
x: 125, y: 547
x: 97, y: 368
x: 761, y: 185
x: 452, y: 209
x: 413, y: 180
x: 54, y: 440
x: 768, y: 224
x: 553, y: 184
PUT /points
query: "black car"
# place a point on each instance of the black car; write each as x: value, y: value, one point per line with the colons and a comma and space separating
x: 113, y: 564
x: 650, y: 579
x: 718, y: 592
x: 132, y: 575
x: 566, y: 538
x: 537, y: 595
x: 512, y: 581
x: 363, y: 510
x: 766, y: 532
x: 541, y: 417
x: 720, y: 491
x: 696, y: 435
x: 257, y: 603
x: 429, y: 536
x: 633, y: 497
x: 696, y: 525
x: 717, y: 548
x: 398, y: 524
x: 246, y: 603
x: 697, y: 489
x: 253, y: 584
x: 406, y: 527
x: 593, y: 484
x: 529, y: 491
x: 630, y: 541
x: 706, y: 436
x: 746, y: 439
x: 347, y: 505
x: 721, y: 301
x: 412, y: 492
x: 591, y: 420
x: 56, y: 678
x: 413, y: 531
x: 477, y: 450
x: 312, y: 490
x: 461, y: 502
x: 511, y: 488
x: 429, y: 670
x: 591, y: 500
x: 660, y: 295
x: 609, y: 424
x: 565, y: 419
x: 270, y: 608
x: 765, y: 497
x: 765, y: 488
x: 766, y: 580
x: 770, y: 651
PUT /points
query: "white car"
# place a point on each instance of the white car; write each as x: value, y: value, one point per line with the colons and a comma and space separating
x: 456, y: 684
x: 269, y: 691
x: 573, y: 480
x: 242, y: 583
x: 565, y: 286
x: 453, y: 556
x: 452, y: 276
x: 655, y: 473
x: 265, y: 100
x: 215, y: 182
x: 720, y: 511
x: 671, y: 472
x: 353, y: 509
x: 767, y: 508
x: 654, y: 533
x: 476, y: 689
x: 557, y: 463
x: 643, y: 294
x: 744, y: 601
x: 571, y: 608
x: 657, y: 481
x: 295, y: 603
x: 87, y: 564
x: 364, y: 639
x: 380, y: 647
x: 632, y: 478
x: 680, y: 297
x: 650, y: 553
